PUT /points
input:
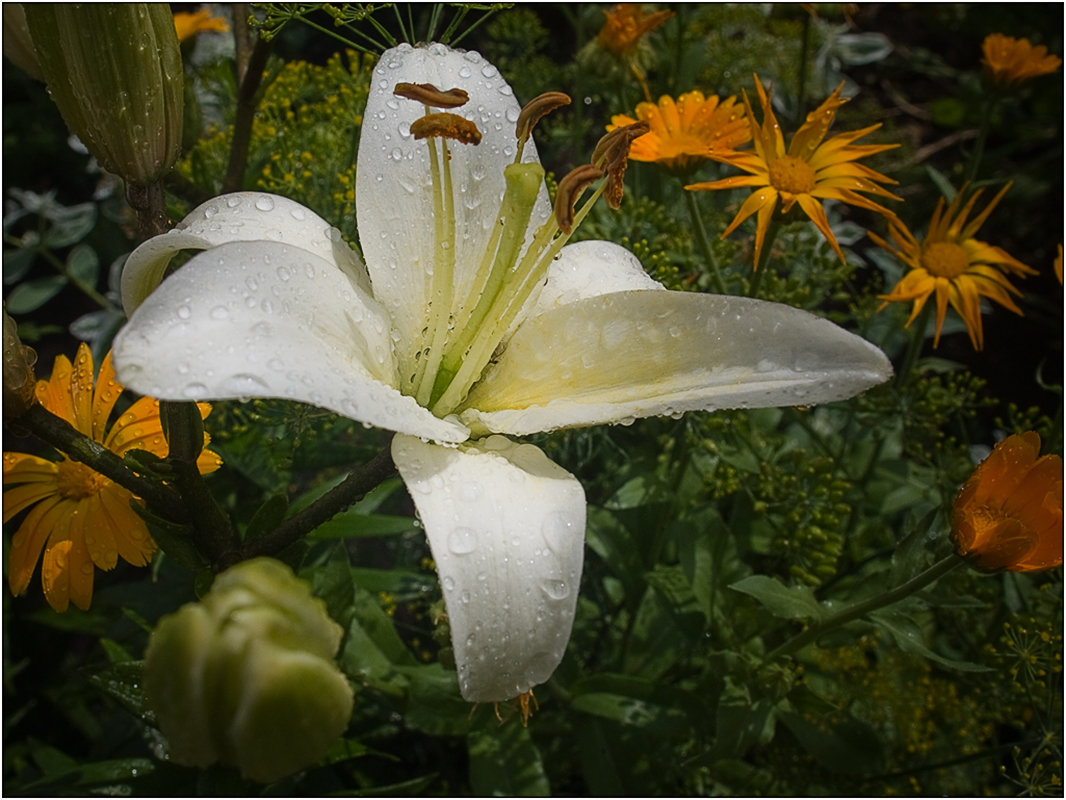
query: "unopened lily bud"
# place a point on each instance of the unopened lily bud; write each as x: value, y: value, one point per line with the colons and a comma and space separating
x: 18, y: 46
x: 19, y: 380
x: 114, y: 70
x: 246, y: 677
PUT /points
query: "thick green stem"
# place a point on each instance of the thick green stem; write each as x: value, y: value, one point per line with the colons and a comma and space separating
x: 350, y: 490
x: 212, y: 532
x: 242, y: 125
x: 935, y: 572
x: 705, y: 243
x: 149, y: 201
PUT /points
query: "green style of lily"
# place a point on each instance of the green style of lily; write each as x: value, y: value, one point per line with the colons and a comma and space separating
x: 472, y: 320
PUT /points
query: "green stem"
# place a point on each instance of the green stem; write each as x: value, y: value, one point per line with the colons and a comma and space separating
x: 212, y: 533
x: 987, y: 106
x: 350, y: 490
x: 938, y: 570
x: 242, y: 125
x: 149, y: 201
x: 764, y: 256
x: 914, y: 347
x: 80, y: 285
x: 705, y: 243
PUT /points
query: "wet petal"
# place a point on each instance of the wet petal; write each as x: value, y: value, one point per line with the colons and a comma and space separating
x: 261, y: 319
x: 636, y: 354
x: 507, y: 528
x: 394, y: 199
x: 237, y: 217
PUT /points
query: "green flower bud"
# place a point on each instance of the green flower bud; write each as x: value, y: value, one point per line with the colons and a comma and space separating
x: 114, y: 70
x: 246, y: 676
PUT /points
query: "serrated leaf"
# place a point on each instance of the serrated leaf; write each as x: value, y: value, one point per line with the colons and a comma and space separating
x: 786, y: 602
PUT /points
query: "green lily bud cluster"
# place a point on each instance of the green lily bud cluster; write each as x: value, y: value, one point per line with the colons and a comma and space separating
x: 246, y: 676
x: 114, y: 70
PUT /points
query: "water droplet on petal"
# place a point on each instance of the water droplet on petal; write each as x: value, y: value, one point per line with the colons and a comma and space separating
x: 555, y: 589
x: 264, y: 203
x: 462, y: 541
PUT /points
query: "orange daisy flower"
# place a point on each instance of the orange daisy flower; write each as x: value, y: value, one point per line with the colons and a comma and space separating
x: 952, y: 263
x: 1009, y: 513
x: 1012, y: 61
x: 626, y: 25
x: 188, y: 24
x: 79, y: 517
x: 811, y: 170
x: 684, y: 132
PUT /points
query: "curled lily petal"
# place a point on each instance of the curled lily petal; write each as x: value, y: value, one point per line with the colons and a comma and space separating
x: 507, y: 527
x: 265, y: 319
x: 237, y: 217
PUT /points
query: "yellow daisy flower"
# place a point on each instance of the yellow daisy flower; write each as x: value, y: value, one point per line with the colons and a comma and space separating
x: 1012, y: 61
x: 953, y: 264
x: 625, y: 25
x: 683, y: 132
x: 77, y: 516
x: 811, y: 170
x: 188, y: 24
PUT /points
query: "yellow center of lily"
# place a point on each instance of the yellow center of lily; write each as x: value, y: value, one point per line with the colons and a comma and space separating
x: 75, y: 480
x: 792, y: 175
x: 945, y: 259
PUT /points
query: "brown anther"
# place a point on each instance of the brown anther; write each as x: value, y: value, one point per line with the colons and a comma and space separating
x: 536, y: 109
x: 612, y: 155
x: 570, y: 189
x: 446, y: 126
x: 617, y: 141
x: 430, y: 95
x: 523, y: 706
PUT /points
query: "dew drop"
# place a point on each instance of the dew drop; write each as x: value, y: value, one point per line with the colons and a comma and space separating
x: 449, y: 583
x: 264, y: 204
x: 184, y: 312
x: 284, y: 273
x: 555, y: 589
x: 195, y: 390
x: 462, y: 541
x: 219, y: 312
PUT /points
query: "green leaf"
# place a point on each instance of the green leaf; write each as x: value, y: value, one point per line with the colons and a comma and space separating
x: 786, y: 602
x: 17, y: 263
x: 70, y: 225
x: 83, y: 264
x: 267, y: 516
x: 353, y: 524
x: 434, y: 705
x: 31, y: 295
x: 504, y: 762
x: 631, y: 701
x: 122, y: 682
x: 848, y: 746
x: 908, y: 637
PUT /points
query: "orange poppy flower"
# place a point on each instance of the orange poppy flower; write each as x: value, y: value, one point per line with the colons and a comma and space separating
x: 1008, y: 515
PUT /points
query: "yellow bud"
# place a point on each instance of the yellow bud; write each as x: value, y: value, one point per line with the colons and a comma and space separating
x: 114, y: 70
x: 246, y: 676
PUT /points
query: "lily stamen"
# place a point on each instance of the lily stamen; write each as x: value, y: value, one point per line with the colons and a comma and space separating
x: 533, y: 112
x: 570, y: 189
x: 430, y: 95
x: 446, y: 126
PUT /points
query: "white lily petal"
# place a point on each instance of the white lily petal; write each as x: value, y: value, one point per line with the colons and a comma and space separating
x: 393, y: 188
x: 265, y: 319
x: 507, y: 528
x: 238, y: 217
x: 589, y: 269
x: 626, y: 355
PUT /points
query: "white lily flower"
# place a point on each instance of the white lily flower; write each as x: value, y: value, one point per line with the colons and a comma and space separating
x: 469, y: 320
